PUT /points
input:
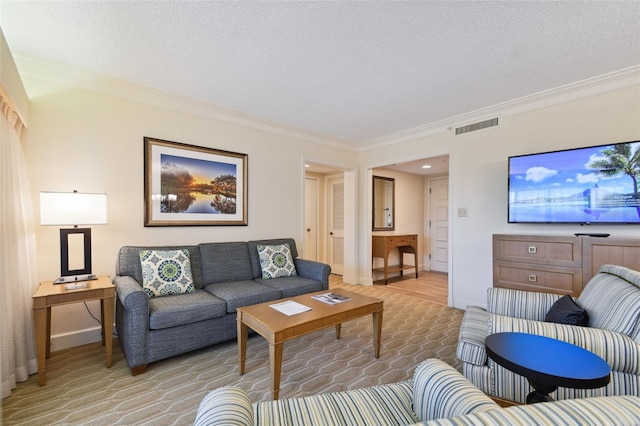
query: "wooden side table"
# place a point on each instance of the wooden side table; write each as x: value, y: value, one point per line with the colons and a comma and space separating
x: 381, y: 246
x: 49, y: 294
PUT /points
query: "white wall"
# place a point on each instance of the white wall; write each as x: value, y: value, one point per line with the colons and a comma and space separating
x: 93, y: 142
x: 478, y: 175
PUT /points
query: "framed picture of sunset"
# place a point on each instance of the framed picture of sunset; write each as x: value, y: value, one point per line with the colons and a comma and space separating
x: 188, y: 185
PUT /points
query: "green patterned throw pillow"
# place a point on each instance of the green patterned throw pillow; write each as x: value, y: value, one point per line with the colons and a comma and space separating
x: 167, y: 272
x: 276, y: 261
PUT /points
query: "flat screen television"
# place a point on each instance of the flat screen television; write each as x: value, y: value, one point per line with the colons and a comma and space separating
x: 597, y: 184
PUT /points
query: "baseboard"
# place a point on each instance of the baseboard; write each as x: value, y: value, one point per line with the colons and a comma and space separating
x: 76, y: 338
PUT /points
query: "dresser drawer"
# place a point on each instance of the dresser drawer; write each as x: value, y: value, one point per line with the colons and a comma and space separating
x: 401, y: 240
x: 528, y: 276
x: 557, y: 251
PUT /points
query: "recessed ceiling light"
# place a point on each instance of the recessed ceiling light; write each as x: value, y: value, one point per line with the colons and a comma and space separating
x: 426, y: 166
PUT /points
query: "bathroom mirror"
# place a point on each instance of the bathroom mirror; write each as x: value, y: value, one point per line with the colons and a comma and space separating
x: 383, y: 204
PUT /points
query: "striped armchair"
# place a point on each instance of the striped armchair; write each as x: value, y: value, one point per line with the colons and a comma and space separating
x: 437, y: 395
x: 612, y: 301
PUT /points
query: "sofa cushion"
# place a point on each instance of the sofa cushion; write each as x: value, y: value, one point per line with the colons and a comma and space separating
x: 567, y: 311
x: 165, y: 312
x: 598, y: 411
x: 440, y: 391
x: 612, y: 302
x: 166, y: 272
x: 243, y: 293
x: 256, y: 269
x: 225, y: 262
x: 376, y: 405
x: 276, y: 261
x: 293, y: 286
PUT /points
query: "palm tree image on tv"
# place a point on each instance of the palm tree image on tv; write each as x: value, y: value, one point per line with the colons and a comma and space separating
x: 597, y: 184
x: 620, y: 159
x: 190, y: 185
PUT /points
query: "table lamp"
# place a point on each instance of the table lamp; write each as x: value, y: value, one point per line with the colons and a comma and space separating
x: 73, y: 208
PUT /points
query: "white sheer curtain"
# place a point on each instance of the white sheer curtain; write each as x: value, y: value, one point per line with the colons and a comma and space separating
x: 18, y: 257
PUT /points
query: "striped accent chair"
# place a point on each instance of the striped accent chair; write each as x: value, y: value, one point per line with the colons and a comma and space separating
x: 437, y: 395
x: 612, y: 301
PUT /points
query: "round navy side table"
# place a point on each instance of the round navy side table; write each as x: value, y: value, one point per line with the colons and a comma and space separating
x: 547, y: 363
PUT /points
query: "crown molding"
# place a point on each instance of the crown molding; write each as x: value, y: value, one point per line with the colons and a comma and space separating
x: 76, y: 77
x: 617, y: 80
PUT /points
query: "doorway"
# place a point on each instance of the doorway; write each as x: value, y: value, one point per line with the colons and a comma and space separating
x: 335, y: 210
x: 336, y: 224
x: 311, y: 223
x: 432, y: 223
x: 438, y: 224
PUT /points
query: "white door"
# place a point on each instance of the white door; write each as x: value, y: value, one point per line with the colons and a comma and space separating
x: 335, y: 206
x: 439, y: 224
x: 310, y: 219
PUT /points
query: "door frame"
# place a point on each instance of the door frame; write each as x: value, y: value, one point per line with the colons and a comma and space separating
x: 330, y: 180
x: 429, y: 229
x: 350, y: 272
x: 318, y: 229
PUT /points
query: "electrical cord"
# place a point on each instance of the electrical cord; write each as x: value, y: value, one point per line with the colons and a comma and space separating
x: 115, y: 333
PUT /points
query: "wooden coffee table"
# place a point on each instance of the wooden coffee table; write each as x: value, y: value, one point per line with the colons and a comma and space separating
x: 277, y: 327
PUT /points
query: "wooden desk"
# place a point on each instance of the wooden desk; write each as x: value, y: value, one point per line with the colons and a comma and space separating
x: 382, y: 245
x: 49, y: 294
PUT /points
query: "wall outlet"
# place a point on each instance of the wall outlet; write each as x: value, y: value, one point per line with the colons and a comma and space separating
x: 462, y: 212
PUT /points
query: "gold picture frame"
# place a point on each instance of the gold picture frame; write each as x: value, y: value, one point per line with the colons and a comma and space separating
x: 188, y: 185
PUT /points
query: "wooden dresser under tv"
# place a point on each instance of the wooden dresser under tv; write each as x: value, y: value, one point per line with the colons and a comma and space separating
x: 557, y: 263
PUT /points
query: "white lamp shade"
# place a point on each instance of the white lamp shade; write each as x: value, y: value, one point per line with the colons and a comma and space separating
x: 73, y: 208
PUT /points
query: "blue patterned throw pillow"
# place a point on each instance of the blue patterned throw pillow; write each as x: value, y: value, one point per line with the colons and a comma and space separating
x: 276, y: 261
x: 167, y: 272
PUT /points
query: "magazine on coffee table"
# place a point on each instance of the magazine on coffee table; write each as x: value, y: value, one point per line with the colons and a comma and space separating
x: 331, y: 298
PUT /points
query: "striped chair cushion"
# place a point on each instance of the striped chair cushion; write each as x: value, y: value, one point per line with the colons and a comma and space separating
x: 618, y: 350
x: 225, y: 406
x: 480, y: 375
x: 618, y: 411
x: 612, y: 302
x: 473, y: 331
x: 520, y: 304
x: 440, y: 391
x: 376, y: 405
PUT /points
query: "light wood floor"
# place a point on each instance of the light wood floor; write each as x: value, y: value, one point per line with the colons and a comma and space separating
x: 429, y: 285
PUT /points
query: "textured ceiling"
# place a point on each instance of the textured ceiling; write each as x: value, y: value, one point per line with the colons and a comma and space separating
x: 354, y: 71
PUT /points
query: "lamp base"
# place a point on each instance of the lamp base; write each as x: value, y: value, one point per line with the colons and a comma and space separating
x: 75, y: 278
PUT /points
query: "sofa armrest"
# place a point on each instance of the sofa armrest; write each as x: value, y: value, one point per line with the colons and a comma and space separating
x: 225, y: 406
x: 130, y: 293
x: 617, y: 349
x: 531, y: 305
x: 313, y: 270
x: 132, y: 320
x: 439, y: 390
x: 473, y: 330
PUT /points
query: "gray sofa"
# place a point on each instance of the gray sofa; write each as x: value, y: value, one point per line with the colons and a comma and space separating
x: 225, y: 275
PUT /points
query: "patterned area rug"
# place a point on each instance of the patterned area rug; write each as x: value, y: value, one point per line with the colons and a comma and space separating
x: 80, y: 390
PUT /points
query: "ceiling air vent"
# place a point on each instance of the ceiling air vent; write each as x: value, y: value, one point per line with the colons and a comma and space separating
x: 477, y: 126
